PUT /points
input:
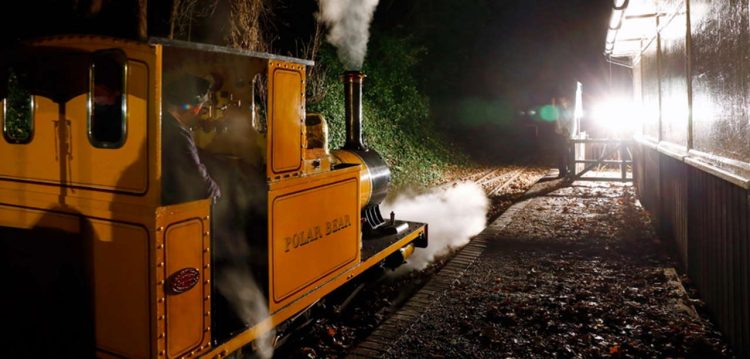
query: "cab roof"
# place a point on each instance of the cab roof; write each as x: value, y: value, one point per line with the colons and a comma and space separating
x: 226, y: 50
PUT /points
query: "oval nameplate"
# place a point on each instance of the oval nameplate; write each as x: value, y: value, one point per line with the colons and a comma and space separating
x: 182, y: 280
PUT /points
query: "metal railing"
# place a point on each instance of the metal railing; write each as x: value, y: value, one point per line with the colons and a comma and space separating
x: 611, y: 147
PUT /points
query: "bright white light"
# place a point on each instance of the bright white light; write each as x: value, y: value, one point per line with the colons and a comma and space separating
x: 611, y: 36
x: 616, y: 19
x: 618, y: 115
x: 636, y: 24
x: 705, y: 109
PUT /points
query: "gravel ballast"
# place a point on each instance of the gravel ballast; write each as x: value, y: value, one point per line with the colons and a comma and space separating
x: 576, y: 273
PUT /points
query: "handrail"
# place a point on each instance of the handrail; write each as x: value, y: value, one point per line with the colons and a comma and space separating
x: 621, y: 7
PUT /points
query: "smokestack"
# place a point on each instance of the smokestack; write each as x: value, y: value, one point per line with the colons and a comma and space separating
x: 353, y: 110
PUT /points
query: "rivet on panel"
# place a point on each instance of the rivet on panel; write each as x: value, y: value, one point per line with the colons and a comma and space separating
x: 161, y: 317
x: 206, y: 233
x: 161, y: 264
x: 207, y: 266
x: 161, y: 300
x: 160, y: 246
x: 207, y: 297
x: 159, y: 229
x: 161, y: 282
x: 206, y: 250
x: 208, y: 329
x: 161, y: 335
x: 206, y: 281
x: 206, y: 217
x: 162, y: 352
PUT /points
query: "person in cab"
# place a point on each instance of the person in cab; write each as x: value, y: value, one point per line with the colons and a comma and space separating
x: 185, y: 177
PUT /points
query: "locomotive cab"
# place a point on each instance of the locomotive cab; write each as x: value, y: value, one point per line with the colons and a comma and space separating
x: 101, y: 266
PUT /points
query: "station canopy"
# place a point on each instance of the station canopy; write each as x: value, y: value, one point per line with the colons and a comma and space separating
x: 632, y: 25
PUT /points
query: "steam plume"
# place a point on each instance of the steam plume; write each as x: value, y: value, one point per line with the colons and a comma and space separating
x: 238, y: 286
x: 454, y: 215
x: 348, y: 22
x: 239, y: 214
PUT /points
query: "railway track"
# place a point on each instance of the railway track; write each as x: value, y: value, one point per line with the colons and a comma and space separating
x: 494, y: 181
x: 486, y: 176
x: 504, y: 184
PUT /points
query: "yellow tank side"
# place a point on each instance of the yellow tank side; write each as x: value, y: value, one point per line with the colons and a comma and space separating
x: 309, y: 247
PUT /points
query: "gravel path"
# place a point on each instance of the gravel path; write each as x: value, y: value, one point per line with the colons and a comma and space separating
x: 577, y: 273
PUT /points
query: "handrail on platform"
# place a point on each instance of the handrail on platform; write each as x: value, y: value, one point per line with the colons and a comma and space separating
x: 623, y: 146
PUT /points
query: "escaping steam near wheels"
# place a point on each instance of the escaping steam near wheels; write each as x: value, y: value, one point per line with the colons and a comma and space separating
x: 455, y: 214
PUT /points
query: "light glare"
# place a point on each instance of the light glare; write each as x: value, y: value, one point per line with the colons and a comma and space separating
x: 618, y: 116
x: 615, y: 19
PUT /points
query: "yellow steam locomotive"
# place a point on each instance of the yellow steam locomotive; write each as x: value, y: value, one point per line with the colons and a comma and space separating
x: 95, y: 262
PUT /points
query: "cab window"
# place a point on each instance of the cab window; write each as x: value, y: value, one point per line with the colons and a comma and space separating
x: 107, y: 125
x: 260, y: 86
x: 18, y: 109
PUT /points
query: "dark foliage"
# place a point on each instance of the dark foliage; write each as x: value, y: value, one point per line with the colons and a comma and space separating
x: 396, y: 112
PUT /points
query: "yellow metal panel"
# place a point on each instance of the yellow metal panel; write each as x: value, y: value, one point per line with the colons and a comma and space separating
x: 55, y: 157
x: 303, y: 302
x: 286, y: 117
x: 60, y: 151
x: 182, y: 241
x: 39, y: 159
x: 124, y: 168
x: 121, y: 288
x: 185, y: 319
x: 16, y: 217
x: 308, y: 247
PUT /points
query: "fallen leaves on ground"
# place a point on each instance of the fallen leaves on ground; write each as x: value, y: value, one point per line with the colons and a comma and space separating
x: 577, y: 274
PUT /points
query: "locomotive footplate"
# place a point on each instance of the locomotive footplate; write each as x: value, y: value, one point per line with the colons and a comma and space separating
x: 376, y: 241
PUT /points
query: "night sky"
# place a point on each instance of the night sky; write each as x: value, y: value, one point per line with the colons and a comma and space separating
x: 524, y: 50
x: 540, y: 47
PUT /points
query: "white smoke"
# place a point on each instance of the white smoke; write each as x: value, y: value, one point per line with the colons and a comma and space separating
x: 454, y: 214
x: 239, y: 288
x: 348, y: 22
